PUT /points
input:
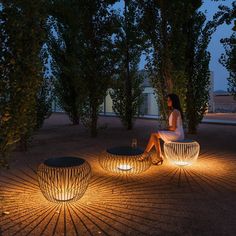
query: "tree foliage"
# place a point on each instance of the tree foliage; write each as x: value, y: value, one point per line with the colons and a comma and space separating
x: 127, y: 90
x: 166, y: 43
x: 22, y: 37
x: 228, y: 59
x: 64, y: 47
x: 178, y: 57
x: 199, y: 33
x: 96, y: 24
x: 43, y: 102
x: 81, y: 51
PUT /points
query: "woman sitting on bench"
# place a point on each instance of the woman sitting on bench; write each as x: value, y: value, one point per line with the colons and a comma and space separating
x: 173, y: 133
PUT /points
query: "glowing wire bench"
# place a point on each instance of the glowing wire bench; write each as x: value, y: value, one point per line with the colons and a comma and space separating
x: 64, y: 179
x: 124, y: 160
x: 182, y: 153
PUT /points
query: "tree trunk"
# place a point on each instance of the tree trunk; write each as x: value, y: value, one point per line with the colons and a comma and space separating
x: 192, y: 126
x: 94, y: 118
x: 166, y: 61
x: 4, y: 155
x: 23, y: 144
x: 129, y: 110
x: 190, y: 109
x: 75, y: 118
x: 75, y: 121
x: 165, y: 68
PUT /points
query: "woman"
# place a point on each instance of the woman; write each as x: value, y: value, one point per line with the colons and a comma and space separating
x: 173, y: 133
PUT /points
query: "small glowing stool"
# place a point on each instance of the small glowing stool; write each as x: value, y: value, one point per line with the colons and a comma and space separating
x: 124, y: 160
x: 182, y: 153
x: 63, y: 179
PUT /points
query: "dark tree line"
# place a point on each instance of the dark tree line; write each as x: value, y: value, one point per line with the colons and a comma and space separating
x: 21, y: 71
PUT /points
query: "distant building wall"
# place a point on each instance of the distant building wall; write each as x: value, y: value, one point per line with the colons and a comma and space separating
x: 148, y: 108
x: 152, y: 107
x: 224, y: 103
x: 108, y: 103
x: 55, y: 106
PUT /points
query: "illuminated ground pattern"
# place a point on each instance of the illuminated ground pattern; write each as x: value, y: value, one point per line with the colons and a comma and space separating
x: 164, y: 200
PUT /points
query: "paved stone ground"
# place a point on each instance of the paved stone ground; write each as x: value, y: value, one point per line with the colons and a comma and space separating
x: 164, y: 200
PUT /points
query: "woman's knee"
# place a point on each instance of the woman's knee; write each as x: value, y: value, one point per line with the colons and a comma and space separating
x: 155, y: 136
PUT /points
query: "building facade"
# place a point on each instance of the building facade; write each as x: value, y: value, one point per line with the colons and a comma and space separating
x: 149, y: 107
x: 224, y: 102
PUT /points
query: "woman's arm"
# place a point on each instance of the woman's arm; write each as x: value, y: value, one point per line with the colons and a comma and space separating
x: 174, y: 121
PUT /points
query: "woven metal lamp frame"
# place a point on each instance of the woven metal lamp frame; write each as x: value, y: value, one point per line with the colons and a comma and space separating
x: 182, y: 153
x: 123, y: 164
x: 64, y: 184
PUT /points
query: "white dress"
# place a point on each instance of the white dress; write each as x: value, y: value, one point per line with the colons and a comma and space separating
x: 178, y: 134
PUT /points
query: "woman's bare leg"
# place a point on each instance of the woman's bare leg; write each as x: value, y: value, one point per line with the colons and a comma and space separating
x: 154, y: 141
x: 158, y: 146
x: 151, y: 143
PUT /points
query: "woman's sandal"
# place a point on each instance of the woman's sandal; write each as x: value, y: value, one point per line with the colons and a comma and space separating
x: 159, y: 161
x: 144, y: 156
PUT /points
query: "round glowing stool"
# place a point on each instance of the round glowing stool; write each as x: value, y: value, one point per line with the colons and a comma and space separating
x: 124, y: 160
x: 182, y: 153
x: 63, y: 179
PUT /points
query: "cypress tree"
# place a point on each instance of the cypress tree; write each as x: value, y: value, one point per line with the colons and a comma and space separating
x: 127, y: 90
x: 228, y: 59
x: 22, y: 37
x: 178, y: 56
x: 96, y: 26
x: 64, y: 48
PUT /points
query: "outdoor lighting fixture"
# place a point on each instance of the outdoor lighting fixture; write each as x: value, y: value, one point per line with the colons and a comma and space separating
x: 182, y: 153
x: 124, y: 160
x: 124, y: 167
x: 63, y: 179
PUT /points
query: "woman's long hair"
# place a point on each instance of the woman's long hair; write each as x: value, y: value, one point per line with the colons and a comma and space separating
x: 176, y: 103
